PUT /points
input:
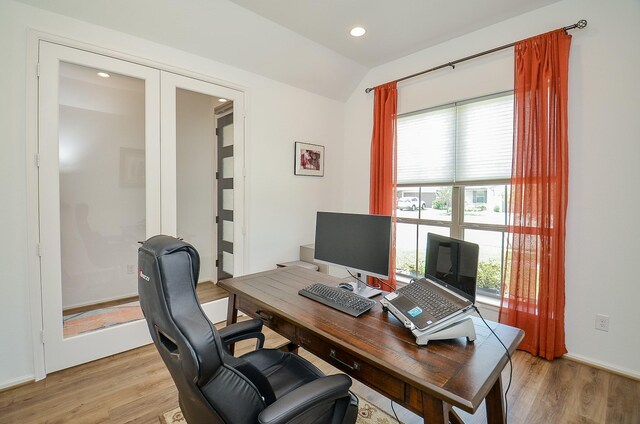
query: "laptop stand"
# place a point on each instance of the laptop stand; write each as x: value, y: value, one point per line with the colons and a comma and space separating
x: 461, y: 328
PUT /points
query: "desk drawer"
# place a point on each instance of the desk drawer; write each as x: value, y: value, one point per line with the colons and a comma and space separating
x: 270, y: 319
x: 356, y: 368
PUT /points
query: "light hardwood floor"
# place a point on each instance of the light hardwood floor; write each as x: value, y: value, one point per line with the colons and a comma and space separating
x: 135, y: 387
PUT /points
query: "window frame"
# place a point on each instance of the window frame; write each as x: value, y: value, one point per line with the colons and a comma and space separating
x: 457, y: 224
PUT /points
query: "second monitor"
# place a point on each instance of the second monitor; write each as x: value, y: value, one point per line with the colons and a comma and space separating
x: 361, y: 243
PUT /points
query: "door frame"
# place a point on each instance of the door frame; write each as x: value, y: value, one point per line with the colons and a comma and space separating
x: 32, y: 249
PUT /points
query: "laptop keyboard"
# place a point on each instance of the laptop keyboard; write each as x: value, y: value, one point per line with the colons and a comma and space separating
x: 429, y: 301
x: 340, y: 299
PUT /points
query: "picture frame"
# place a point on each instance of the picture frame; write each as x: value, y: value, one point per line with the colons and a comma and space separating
x: 132, y: 163
x: 308, y: 159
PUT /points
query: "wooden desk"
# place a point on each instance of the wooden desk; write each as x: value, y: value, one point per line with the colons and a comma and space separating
x: 377, y: 350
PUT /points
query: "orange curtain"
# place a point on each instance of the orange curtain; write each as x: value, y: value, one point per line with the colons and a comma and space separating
x: 533, y: 293
x: 382, y: 197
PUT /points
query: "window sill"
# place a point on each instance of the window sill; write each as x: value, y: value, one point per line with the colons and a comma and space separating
x: 493, y: 302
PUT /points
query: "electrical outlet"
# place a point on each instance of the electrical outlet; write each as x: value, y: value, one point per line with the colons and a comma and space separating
x: 602, y: 322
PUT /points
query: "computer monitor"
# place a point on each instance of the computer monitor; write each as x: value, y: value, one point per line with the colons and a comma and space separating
x: 454, y: 263
x: 361, y: 243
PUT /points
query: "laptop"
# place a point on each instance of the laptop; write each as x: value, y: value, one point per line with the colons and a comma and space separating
x: 446, y: 294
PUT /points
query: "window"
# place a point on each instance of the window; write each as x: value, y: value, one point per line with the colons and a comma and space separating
x: 454, y: 163
x: 479, y: 196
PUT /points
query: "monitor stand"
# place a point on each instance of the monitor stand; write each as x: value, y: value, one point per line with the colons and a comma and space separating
x: 364, y: 290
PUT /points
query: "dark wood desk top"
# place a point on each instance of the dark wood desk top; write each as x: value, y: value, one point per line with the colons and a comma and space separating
x: 458, y: 372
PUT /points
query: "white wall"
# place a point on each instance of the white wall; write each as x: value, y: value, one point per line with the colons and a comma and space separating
x: 604, y: 105
x: 281, y: 202
x: 280, y: 207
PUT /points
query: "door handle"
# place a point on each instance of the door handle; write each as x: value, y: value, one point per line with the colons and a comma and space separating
x: 334, y: 356
x: 263, y: 316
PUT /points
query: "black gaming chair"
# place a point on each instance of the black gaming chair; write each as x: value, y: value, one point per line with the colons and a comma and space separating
x: 262, y: 386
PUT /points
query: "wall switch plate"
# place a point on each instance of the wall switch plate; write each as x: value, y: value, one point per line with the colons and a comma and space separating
x: 602, y: 322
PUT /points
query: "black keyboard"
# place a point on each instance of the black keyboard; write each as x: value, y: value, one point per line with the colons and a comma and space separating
x: 340, y: 299
x: 429, y: 301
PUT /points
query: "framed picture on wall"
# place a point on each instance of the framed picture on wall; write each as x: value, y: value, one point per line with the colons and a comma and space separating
x: 308, y: 159
x: 131, y: 167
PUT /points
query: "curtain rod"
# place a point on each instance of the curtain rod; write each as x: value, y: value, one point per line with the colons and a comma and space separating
x: 582, y: 23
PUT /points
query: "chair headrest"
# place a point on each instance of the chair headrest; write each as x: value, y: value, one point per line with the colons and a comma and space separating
x: 162, y: 245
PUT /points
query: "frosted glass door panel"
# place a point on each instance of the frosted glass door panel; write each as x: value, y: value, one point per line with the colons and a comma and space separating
x: 227, y: 231
x: 227, y: 135
x: 227, y: 199
x: 227, y: 167
x: 102, y: 192
x: 227, y: 263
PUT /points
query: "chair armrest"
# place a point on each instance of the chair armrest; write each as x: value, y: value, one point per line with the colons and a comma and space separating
x: 243, y: 330
x: 301, y: 400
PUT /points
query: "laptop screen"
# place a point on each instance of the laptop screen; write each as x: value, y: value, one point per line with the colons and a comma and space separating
x: 454, y: 263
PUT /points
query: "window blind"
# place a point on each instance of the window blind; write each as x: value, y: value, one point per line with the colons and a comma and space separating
x: 484, y: 139
x: 467, y: 141
x: 426, y: 149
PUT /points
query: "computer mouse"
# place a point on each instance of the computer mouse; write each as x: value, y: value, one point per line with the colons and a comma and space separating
x: 346, y: 286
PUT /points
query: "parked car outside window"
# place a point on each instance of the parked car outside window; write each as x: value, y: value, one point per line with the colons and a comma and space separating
x: 413, y: 203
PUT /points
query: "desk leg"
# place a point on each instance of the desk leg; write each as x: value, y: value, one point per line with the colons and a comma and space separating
x: 232, y: 310
x: 454, y: 418
x: 232, y: 316
x: 434, y: 410
x: 495, y: 404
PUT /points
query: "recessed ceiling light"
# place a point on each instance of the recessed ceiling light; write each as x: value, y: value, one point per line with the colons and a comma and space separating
x: 222, y: 100
x: 358, y: 31
x: 103, y: 75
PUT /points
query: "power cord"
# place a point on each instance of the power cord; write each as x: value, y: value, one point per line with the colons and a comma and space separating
x: 506, y: 403
x: 380, y: 282
x: 385, y: 283
x: 363, y: 282
x: 394, y: 413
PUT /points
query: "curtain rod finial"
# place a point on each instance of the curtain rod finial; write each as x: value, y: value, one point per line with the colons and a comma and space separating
x: 368, y: 90
x: 582, y: 23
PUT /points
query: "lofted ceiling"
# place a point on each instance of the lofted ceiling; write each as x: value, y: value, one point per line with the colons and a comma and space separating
x: 394, y: 28
x: 303, y: 43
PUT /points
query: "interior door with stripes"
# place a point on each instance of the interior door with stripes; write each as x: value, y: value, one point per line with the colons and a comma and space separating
x: 225, y: 194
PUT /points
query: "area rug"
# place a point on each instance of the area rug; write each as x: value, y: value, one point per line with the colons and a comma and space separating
x: 367, y: 414
x: 83, y: 322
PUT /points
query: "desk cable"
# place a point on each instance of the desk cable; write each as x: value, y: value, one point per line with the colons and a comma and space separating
x: 394, y: 412
x: 380, y: 282
x: 506, y: 403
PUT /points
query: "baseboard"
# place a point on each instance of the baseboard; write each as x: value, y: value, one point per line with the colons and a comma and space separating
x: 603, y: 366
x: 216, y: 310
x: 10, y: 384
x: 490, y: 311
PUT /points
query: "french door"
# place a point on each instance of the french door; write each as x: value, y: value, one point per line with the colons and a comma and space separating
x: 115, y: 161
